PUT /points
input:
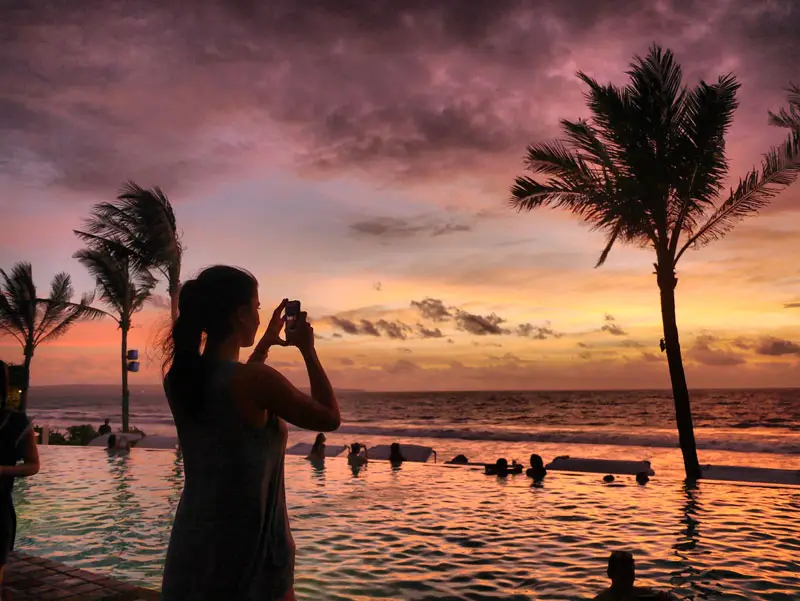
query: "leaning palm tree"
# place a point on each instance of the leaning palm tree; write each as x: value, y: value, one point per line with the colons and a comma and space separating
x: 32, y: 320
x: 789, y: 117
x: 648, y: 168
x: 124, y: 289
x: 142, y: 221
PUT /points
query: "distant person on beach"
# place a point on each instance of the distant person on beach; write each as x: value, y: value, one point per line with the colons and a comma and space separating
x: 355, y: 456
x: 104, y: 429
x: 231, y: 537
x: 395, y: 456
x: 17, y: 442
x: 536, y: 470
x: 317, y: 452
x: 622, y: 572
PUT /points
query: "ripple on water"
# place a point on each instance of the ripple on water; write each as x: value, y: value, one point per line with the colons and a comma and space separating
x: 423, y: 533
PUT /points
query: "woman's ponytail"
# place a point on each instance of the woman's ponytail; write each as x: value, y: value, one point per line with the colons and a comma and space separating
x: 185, y: 374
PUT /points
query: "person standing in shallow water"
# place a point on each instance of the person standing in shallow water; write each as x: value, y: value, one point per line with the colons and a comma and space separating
x: 231, y: 537
x: 17, y: 441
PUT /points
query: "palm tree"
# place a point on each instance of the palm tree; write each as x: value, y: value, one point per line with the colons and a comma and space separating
x: 648, y: 168
x: 789, y: 118
x: 144, y: 223
x: 124, y: 289
x: 32, y: 320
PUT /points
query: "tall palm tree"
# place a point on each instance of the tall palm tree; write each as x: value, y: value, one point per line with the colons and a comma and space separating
x: 648, y: 168
x: 789, y: 117
x: 124, y: 289
x: 142, y: 221
x: 32, y: 320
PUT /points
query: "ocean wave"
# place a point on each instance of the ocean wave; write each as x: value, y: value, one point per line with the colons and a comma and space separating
x: 750, y: 438
x: 760, y: 444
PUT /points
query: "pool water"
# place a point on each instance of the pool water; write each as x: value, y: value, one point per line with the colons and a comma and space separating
x: 424, y: 532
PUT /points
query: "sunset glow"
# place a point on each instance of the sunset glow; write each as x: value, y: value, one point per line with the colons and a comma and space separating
x: 361, y: 163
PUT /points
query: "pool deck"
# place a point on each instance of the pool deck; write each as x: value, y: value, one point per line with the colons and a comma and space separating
x: 31, y: 578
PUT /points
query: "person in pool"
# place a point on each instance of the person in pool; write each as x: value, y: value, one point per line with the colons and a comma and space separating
x: 395, y: 456
x: 117, y: 444
x: 105, y: 428
x: 17, y: 441
x: 231, y: 537
x: 622, y: 572
x: 317, y: 452
x: 536, y: 470
x: 354, y: 457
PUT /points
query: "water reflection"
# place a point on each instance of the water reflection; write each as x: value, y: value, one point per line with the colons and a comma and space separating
x: 318, y: 470
x: 125, y: 505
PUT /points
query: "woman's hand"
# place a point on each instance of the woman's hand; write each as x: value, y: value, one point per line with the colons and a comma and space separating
x: 272, y: 337
x: 302, y: 334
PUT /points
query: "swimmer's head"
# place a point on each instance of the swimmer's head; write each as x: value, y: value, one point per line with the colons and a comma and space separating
x: 621, y: 569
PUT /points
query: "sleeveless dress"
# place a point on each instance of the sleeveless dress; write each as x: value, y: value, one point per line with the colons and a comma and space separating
x: 231, y: 538
x: 13, y: 427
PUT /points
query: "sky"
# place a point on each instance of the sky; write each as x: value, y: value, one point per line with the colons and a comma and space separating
x: 358, y: 156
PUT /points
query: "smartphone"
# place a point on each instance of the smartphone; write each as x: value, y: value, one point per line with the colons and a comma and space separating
x: 292, y: 312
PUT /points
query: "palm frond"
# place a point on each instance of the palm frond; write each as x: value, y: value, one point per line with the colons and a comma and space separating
x: 52, y: 309
x: 70, y: 314
x: 612, y: 238
x: 119, y: 285
x: 789, y: 117
x: 18, y: 306
x: 111, y: 274
x: 142, y: 221
x: 709, y: 111
x: 779, y: 169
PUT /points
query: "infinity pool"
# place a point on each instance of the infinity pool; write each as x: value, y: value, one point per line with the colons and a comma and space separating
x: 424, y: 532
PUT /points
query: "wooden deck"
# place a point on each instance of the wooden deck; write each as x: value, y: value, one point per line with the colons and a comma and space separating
x: 31, y: 578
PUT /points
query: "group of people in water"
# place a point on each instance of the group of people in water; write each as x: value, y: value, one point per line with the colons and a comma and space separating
x: 231, y: 419
x: 357, y: 454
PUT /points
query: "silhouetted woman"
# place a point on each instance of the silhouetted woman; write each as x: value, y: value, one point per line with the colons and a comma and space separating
x: 395, y: 456
x: 17, y: 441
x: 317, y: 452
x: 231, y: 537
x: 537, y: 470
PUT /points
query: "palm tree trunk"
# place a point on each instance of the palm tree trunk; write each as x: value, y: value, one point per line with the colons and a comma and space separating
x: 23, y: 401
x: 125, y: 391
x: 680, y: 391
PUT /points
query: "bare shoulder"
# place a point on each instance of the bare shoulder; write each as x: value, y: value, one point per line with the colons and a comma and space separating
x: 604, y: 596
x: 257, y: 379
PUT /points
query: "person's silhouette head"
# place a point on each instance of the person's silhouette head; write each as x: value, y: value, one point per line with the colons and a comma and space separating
x: 106, y: 422
x: 355, y: 448
x: 502, y: 464
x: 642, y: 478
x: 536, y: 461
x: 112, y: 441
x: 319, y: 441
x: 221, y: 305
x: 621, y: 570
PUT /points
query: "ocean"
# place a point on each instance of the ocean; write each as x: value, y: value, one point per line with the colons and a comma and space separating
x: 489, y: 424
